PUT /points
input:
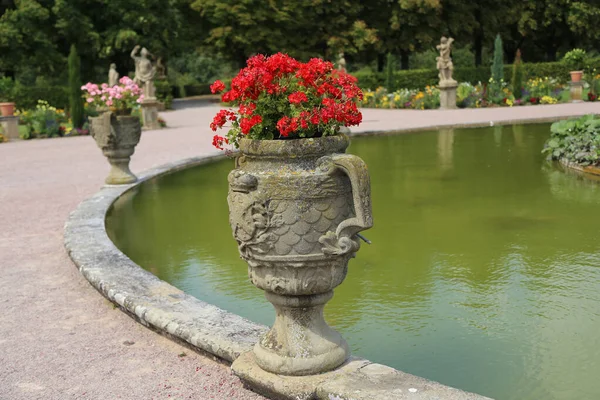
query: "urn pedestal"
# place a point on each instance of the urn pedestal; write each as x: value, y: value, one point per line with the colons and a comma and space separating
x: 10, y: 125
x: 117, y: 137
x: 150, y: 113
x: 576, y: 91
x: 448, y: 95
x: 295, y: 209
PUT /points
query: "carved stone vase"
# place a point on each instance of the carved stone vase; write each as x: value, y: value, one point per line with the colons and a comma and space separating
x: 117, y: 137
x: 295, y: 208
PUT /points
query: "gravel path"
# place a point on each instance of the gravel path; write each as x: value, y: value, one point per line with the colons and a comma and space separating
x: 59, y: 339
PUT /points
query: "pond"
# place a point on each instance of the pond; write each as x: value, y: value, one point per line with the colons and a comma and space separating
x: 483, y: 272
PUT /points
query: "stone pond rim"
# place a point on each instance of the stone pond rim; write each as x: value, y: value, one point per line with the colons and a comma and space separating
x: 207, y: 328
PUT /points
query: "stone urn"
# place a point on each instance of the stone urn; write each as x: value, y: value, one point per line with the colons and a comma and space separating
x: 295, y: 208
x: 117, y: 136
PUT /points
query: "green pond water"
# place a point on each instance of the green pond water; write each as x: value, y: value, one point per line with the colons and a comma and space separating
x: 484, y: 272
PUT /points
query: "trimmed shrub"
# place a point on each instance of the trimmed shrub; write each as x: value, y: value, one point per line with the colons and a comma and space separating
x: 164, y: 92
x: 75, y: 99
x: 517, y: 76
x: 389, y: 73
x: 498, y: 64
x: 27, y: 97
x: 198, y: 89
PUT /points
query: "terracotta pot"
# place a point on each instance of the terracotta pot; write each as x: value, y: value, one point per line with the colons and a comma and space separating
x: 295, y: 208
x: 576, y: 76
x: 7, y: 109
x: 117, y: 137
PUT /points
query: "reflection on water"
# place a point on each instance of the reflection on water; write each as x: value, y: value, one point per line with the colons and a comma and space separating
x: 483, y: 273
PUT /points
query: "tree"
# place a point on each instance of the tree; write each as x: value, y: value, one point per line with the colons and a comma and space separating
x: 75, y: 99
x: 106, y: 31
x: 302, y: 28
x: 26, y: 39
x: 517, y: 76
x: 403, y: 26
x: 498, y: 63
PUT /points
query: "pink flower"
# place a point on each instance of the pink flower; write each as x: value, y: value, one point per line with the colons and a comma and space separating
x: 89, y: 100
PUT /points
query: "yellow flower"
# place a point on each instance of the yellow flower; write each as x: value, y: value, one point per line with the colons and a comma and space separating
x: 548, y: 100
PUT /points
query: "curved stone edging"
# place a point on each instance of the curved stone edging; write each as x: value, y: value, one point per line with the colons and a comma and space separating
x: 151, y: 301
x: 592, y: 170
x: 168, y: 310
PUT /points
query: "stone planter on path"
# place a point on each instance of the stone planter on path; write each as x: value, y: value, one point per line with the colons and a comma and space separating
x: 295, y: 209
x: 117, y: 137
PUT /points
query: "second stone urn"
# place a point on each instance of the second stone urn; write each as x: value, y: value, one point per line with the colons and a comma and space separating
x: 117, y: 137
x: 296, y: 207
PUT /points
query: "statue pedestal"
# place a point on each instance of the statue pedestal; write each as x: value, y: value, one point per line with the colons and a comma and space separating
x: 150, y: 114
x: 576, y: 91
x: 448, y: 95
x: 10, y: 126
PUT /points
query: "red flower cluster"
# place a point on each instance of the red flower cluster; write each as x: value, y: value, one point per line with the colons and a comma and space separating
x: 217, y: 87
x: 592, y: 96
x: 279, y: 96
x: 218, y: 141
x: 247, y: 123
x: 297, y: 98
x: 221, y: 118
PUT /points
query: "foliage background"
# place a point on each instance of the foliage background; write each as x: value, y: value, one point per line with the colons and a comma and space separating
x: 202, y: 40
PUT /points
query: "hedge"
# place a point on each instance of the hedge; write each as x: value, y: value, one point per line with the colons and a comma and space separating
x: 27, y: 97
x: 419, y: 78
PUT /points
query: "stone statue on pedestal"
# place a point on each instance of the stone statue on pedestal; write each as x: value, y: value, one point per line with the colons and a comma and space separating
x: 444, y: 62
x: 161, y: 70
x: 113, y: 75
x: 341, y: 62
x: 144, y: 71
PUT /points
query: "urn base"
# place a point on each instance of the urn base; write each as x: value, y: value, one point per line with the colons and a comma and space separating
x: 120, y: 174
x: 300, y: 341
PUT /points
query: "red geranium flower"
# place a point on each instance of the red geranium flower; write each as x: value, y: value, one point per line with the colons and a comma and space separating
x: 218, y: 141
x: 217, y: 87
x: 297, y: 98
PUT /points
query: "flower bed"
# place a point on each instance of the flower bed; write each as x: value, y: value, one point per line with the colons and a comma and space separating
x: 46, y: 121
x: 491, y: 94
x: 426, y: 99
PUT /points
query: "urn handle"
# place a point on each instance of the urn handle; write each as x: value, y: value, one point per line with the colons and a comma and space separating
x: 343, y: 240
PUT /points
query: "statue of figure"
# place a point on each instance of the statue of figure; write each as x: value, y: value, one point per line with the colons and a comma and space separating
x: 161, y: 71
x: 113, y: 75
x: 444, y: 62
x: 144, y: 71
x: 341, y: 62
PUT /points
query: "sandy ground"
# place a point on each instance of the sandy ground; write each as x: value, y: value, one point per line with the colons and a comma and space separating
x: 59, y: 338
